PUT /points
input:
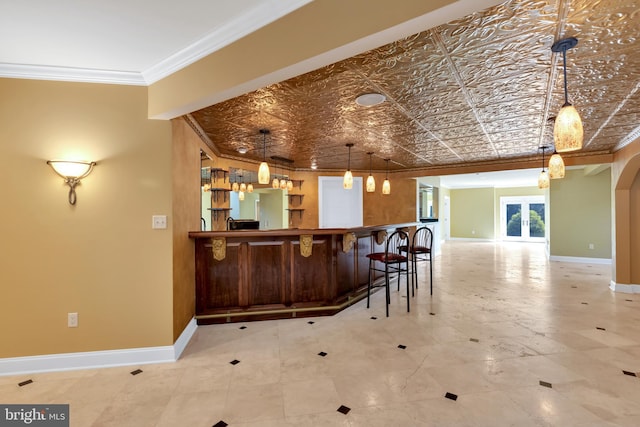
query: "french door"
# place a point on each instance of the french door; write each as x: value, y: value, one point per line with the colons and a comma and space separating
x: 522, y: 218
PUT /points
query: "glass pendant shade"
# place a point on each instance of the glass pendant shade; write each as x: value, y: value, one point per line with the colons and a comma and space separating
x: 347, y: 182
x: 207, y: 187
x: 235, y: 186
x: 263, y: 173
x: 243, y: 187
x: 556, y: 167
x: 250, y: 188
x: 283, y: 184
x: 543, y: 179
x: 371, y: 184
x: 275, y: 184
x: 386, y: 187
x: 567, y: 131
x: 289, y: 185
x: 241, y: 195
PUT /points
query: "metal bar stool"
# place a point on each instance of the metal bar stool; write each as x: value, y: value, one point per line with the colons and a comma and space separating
x: 419, y: 251
x: 392, y: 260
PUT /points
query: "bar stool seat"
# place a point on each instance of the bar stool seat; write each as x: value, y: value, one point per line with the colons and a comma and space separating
x: 392, y: 260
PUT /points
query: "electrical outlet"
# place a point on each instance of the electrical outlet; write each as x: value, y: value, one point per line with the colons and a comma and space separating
x: 591, y: 246
x: 72, y: 320
x: 159, y: 222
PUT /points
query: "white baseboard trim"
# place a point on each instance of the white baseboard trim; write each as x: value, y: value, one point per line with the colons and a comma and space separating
x: 471, y: 239
x: 98, y: 359
x: 626, y: 289
x: 582, y: 260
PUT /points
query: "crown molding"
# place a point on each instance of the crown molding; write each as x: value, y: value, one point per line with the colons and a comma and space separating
x: 67, y: 74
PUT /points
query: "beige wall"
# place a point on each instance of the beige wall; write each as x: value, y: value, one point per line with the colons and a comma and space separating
x: 580, y: 207
x: 99, y: 258
x: 472, y: 213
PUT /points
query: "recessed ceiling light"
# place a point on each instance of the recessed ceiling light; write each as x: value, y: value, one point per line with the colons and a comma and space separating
x: 242, y: 150
x: 370, y: 99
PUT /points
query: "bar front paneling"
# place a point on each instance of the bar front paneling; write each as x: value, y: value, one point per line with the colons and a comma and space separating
x: 254, y: 275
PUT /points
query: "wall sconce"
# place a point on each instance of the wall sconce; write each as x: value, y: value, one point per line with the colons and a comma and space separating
x: 371, y: 181
x: 347, y: 181
x: 386, y: 185
x: 72, y: 172
x: 567, y: 132
x: 263, y: 170
x: 543, y: 178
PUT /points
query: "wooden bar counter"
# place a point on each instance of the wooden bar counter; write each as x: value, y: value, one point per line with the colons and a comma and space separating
x: 254, y: 275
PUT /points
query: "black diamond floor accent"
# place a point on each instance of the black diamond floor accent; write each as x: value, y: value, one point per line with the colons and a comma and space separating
x: 234, y: 362
x: 474, y: 340
x: 136, y: 372
x: 572, y: 286
x: 344, y: 409
x: 600, y: 329
x: 433, y: 314
x: 220, y: 424
x: 631, y: 374
x: 401, y: 346
x: 585, y: 303
x: 451, y: 396
x: 311, y: 322
x: 243, y: 327
x: 629, y: 300
x: 545, y: 384
x: 373, y: 318
x: 322, y: 353
x: 24, y: 383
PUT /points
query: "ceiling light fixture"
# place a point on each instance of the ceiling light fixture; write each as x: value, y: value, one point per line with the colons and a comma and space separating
x: 275, y: 184
x: 72, y: 172
x: 386, y: 185
x: 543, y: 178
x: 347, y: 181
x: 371, y: 182
x: 567, y: 132
x: 370, y: 99
x: 263, y: 170
x: 556, y: 164
x: 242, y: 149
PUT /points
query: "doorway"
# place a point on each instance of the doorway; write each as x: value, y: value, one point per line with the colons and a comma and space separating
x: 522, y: 218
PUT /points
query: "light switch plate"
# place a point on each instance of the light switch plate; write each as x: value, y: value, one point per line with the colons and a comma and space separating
x: 159, y: 221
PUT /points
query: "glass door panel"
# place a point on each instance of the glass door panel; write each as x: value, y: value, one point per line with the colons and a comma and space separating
x: 514, y: 219
x: 522, y: 218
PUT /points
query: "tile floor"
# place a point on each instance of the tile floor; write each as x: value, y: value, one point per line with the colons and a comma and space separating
x: 508, y: 339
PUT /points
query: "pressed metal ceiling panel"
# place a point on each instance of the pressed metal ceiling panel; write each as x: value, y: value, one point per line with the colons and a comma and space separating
x: 478, y: 89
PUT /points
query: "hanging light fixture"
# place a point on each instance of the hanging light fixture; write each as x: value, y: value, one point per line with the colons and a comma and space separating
x: 347, y: 182
x: 567, y: 132
x: 263, y: 170
x: 386, y: 185
x: 235, y: 186
x: 371, y: 182
x: 275, y: 184
x: 283, y: 183
x: 543, y: 178
x: 250, y: 188
x: 289, y: 185
x: 241, y: 195
x: 556, y: 166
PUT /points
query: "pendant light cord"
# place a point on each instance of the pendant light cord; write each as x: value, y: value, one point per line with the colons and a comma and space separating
x: 564, y: 66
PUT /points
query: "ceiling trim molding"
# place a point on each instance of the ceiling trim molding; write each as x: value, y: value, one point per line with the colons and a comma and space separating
x: 67, y: 74
x: 223, y: 36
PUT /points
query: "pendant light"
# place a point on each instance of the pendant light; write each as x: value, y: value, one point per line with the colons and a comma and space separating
x: 283, y: 183
x: 250, y: 188
x: 543, y: 178
x: 386, y: 185
x: 263, y: 170
x: 241, y: 195
x: 289, y: 185
x: 371, y: 182
x: 556, y: 166
x: 567, y: 132
x: 275, y: 184
x: 243, y: 186
x: 347, y: 182
x: 235, y: 186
